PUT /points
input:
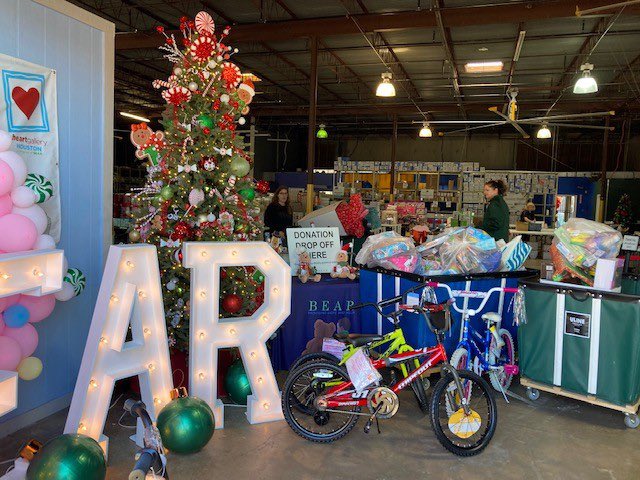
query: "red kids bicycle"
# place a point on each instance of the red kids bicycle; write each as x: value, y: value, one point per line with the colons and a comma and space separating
x: 462, y: 409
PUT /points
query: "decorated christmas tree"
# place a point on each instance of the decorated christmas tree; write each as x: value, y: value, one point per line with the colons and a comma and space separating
x: 198, y: 185
x: 623, y: 216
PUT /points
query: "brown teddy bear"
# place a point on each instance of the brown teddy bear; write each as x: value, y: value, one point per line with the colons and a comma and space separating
x: 306, y: 271
x: 321, y: 330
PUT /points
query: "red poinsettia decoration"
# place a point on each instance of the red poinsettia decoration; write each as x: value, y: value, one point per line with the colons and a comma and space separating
x: 181, y: 231
x: 351, y: 214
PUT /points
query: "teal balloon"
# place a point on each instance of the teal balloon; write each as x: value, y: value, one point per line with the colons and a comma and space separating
x: 239, y: 167
x: 205, y: 121
x: 69, y: 457
x: 186, y: 425
x: 237, y: 384
x: 248, y: 193
x: 166, y: 193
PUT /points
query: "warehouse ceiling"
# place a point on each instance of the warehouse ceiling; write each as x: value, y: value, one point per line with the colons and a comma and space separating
x: 426, y: 44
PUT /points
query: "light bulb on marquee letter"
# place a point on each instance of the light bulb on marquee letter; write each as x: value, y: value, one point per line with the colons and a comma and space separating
x: 249, y: 333
x: 108, y: 356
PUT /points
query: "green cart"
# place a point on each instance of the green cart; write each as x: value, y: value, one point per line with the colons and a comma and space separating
x: 583, y: 344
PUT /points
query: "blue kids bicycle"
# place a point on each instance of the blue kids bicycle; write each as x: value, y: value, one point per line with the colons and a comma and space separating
x: 494, y: 352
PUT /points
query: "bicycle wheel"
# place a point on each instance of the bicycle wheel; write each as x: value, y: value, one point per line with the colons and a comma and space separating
x: 507, y: 356
x: 459, y: 360
x: 460, y: 433
x: 311, y: 357
x: 302, y: 387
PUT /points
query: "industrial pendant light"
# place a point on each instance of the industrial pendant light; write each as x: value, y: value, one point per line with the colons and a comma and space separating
x: 586, y: 83
x: 321, y: 133
x: 385, y: 87
x: 425, y: 131
x: 544, y: 132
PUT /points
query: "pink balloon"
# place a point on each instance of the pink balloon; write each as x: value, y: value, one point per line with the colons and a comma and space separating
x: 26, y: 336
x: 17, y: 165
x: 12, y: 300
x: 6, y: 178
x: 18, y: 233
x: 2, y: 325
x: 10, y: 353
x: 39, y: 307
x: 6, y: 204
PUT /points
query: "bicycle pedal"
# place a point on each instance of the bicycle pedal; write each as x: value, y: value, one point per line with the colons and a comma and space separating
x: 367, y: 427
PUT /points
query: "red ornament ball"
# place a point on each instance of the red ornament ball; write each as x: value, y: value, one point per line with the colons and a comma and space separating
x: 262, y: 186
x: 206, y: 130
x: 159, y: 29
x: 232, y: 303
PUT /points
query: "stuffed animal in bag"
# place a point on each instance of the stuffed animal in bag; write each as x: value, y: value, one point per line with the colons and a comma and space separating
x: 342, y: 269
x: 306, y: 271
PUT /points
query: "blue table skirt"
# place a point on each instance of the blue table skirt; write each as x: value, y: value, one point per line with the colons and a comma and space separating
x: 327, y: 303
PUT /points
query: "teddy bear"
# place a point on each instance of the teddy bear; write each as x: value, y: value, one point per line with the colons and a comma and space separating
x: 342, y: 269
x: 305, y: 270
x: 148, y: 143
x: 321, y: 330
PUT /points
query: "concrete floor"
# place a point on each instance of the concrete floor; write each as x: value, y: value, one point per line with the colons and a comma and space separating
x: 556, y: 438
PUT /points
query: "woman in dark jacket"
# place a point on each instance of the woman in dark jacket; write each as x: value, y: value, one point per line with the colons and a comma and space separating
x: 278, y: 215
x: 496, y: 214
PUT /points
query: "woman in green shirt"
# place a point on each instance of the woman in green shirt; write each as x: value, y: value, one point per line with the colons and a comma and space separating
x: 496, y: 214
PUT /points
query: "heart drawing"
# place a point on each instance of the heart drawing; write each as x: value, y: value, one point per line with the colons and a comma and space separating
x: 26, y: 100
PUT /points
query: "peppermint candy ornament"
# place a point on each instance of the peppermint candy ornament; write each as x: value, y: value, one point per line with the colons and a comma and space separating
x: 76, y: 279
x: 205, y: 24
x: 40, y: 185
x: 209, y: 165
x: 231, y: 75
x: 202, y: 48
x: 176, y: 95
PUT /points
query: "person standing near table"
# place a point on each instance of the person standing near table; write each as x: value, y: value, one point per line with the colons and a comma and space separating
x: 496, y: 214
x: 528, y: 214
x: 278, y: 216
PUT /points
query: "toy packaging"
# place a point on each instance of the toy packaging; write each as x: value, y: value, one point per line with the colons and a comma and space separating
x: 389, y: 250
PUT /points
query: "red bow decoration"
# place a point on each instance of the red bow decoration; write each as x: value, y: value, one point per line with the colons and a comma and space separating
x: 138, y: 126
x: 351, y: 214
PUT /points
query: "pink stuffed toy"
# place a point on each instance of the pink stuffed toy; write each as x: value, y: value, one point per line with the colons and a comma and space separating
x: 351, y: 214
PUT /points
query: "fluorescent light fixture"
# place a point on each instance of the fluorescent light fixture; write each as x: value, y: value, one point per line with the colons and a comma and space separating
x: 516, y: 53
x: 586, y: 83
x: 385, y: 87
x: 483, y: 67
x: 135, y: 117
x: 322, y: 133
x: 544, y: 132
x: 425, y: 131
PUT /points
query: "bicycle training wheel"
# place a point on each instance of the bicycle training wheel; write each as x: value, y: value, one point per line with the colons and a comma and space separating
x: 463, y: 433
x: 302, y: 387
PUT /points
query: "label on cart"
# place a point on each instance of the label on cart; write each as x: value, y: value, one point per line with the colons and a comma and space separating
x: 577, y: 324
x: 361, y: 371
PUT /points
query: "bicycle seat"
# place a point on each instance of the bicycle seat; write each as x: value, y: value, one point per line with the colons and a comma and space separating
x: 357, y: 339
x: 492, y: 317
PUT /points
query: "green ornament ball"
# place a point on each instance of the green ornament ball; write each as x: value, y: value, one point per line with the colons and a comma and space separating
x: 239, y: 166
x: 166, y: 193
x: 69, y: 457
x: 248, y: 193
x: 186, y: 425
x: 236, y: 383
x: 205, y: 121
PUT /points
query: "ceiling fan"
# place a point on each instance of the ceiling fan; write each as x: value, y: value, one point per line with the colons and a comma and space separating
x: 511, y: 118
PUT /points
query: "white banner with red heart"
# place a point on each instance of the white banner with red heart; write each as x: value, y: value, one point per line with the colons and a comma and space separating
x: 29, y: 112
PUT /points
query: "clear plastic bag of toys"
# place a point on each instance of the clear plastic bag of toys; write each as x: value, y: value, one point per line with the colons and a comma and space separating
x: 389, y: 250
x: 582, y: 242
x: 465, y: 250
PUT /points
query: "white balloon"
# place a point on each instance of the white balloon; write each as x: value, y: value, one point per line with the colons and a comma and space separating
x: 35, y: 214
x: 23, y: 197
x: 18, y: 166
x: 45, y: 242
x: 67, y: 292
x: 5, y: 141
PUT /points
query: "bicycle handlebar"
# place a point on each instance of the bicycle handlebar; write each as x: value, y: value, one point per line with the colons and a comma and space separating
x: 485, y: 297
x: 148, y: 457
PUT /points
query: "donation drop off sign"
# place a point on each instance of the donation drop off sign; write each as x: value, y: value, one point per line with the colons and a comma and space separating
x: 321, y: 244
